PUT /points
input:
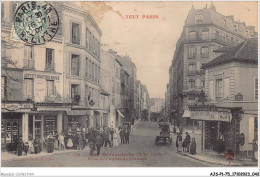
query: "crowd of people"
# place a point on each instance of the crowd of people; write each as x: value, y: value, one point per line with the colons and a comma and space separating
x: 186, y: 145
x: 77, y: 139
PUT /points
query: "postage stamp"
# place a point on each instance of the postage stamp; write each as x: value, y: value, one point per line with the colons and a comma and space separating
x: 36, y: 22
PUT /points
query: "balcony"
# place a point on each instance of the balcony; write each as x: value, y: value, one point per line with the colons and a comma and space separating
x: 208, y: 38
x: 49, y: 67
x: 28, y: 63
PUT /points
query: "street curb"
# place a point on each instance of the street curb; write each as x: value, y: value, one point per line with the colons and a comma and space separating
x: 240, y: 165
x: 48, y: 154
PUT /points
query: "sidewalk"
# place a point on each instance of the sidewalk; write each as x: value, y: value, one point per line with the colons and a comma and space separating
x: 219, y: 159
x: 212, y: 157
x: 9, y: 156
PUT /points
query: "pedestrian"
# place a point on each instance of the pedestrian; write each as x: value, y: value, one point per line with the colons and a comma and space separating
x: 255, y: 150
x: 61, y: 142
x: 91, y: 141
x: 105, y: 137
x: 26, y: 148
x: 121, y: 133
x: 15, y: 144
x: 70, y: 142
x: 127, y: 134
x: 99, y: 143
x: 56, y: 141
x: 221, y: 143
x: 115, y: 139
x: 80, y: 144
x: 187, y: 142
x: 37, y: 145
x: 50, y: 143
x: 31, y: 145
x: 177, y: 137
x: 193, y: 146
x: 179, y: 142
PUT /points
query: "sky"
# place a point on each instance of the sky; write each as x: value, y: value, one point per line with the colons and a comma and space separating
x: 151, y: 43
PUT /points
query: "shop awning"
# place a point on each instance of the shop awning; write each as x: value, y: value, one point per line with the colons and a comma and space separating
x: 120, y: 113
x: 186, y: 114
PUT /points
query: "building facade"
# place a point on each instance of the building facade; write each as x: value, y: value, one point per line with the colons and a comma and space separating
x: 232, y: 82
x: 53, y: 87
x: 205, y: 31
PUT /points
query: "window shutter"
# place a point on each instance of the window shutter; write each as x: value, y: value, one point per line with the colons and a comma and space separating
x: 211, y: 90
x: 226, y: 88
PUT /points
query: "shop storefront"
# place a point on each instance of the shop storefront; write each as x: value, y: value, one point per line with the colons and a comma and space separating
x: 78, y: 120
x: 13, y: 118
x: 219, y: 126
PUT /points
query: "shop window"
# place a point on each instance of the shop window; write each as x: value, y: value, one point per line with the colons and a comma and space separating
x: 205, y: 51
x: 3, y: 88
x: 49, y: 64
x: 219, y: 89
x: 50, y: 88
x: 75, y: 33
x: 198, y: 18
x: 192, y: 35
x: 28, y: 61
x: 28, y: 88
x: 75, y: 65
x: 50, y: 125
x: 256, y: 89
x: 89, y: 69
x: 192, y: 52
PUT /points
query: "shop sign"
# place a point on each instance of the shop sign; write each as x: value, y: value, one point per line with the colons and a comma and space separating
x: 211, y: 115
x: 41, y: 76
x: 76, y: 112
x: 16, y: 106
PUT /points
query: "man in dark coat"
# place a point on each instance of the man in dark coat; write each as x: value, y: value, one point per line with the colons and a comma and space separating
x: 121, y: 133
x: 99, y: 143
x: 187, y: 142
x: 20, y: 146
x: 193, y: 146
x: 91, y: 141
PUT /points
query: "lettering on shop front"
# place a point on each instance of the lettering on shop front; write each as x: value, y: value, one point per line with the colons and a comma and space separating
x: 41, y: 76
x: 207, y: 115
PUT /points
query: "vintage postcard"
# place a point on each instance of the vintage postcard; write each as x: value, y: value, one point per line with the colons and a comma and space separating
x: 129, y: 84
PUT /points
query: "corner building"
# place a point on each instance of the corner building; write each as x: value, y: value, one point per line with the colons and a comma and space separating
x: 205, y: 31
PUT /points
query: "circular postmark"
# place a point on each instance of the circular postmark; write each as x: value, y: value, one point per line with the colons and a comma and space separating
x: 36, y: 22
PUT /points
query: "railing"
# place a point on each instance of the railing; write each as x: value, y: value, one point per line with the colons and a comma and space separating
x: 49, y: 67
x: 28, y: 63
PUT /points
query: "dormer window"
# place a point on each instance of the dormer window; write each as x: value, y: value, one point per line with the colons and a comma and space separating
x: 198, y: 18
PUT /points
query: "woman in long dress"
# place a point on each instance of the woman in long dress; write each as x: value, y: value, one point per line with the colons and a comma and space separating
x: 50, y: 143
x: 115, y: 139
x: 56, y: 142
x: 69, y: 143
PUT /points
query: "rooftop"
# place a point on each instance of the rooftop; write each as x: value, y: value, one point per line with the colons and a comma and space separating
x: 246, y: 51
